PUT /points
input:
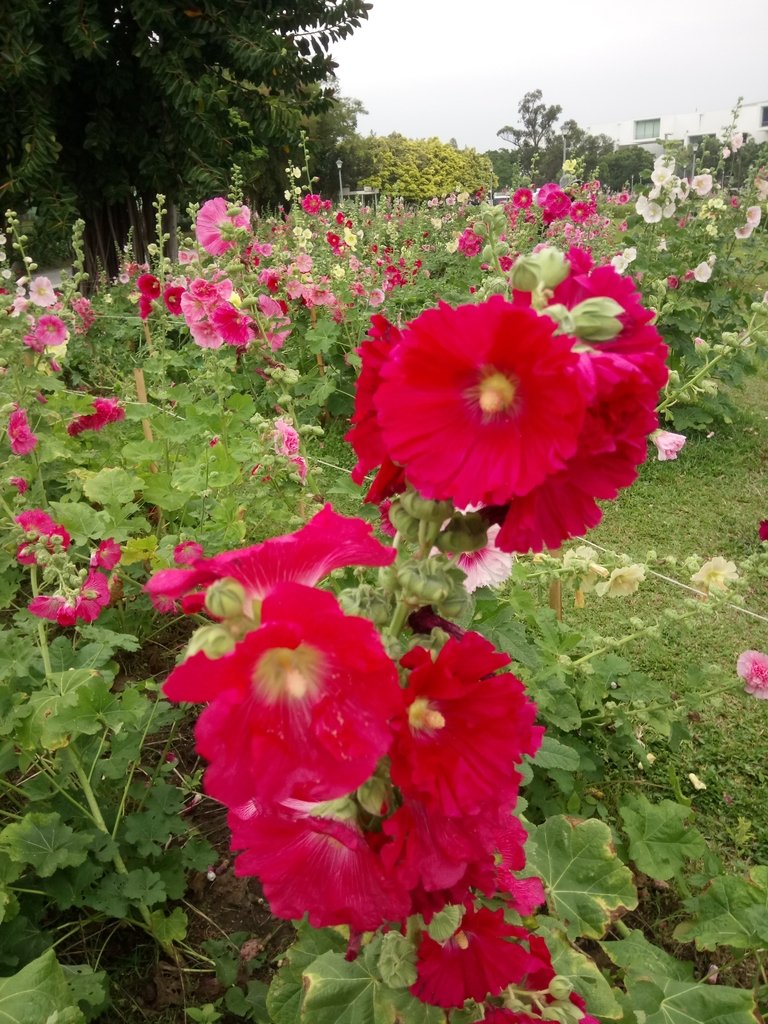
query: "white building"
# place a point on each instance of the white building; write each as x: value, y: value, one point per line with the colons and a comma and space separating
x: 652, y: 132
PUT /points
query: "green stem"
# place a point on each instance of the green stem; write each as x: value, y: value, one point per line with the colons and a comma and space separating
x: 622, y: 929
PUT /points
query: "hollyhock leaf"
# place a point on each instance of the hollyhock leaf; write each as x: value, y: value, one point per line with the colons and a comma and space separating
x: 82, y: 521
x: 44, y: 842
x: 731, y: 911
x: 286, y: 991
x: 168, y: 928
x: 507, y: 633
x: 46, y: 724
x: 660, y: 841
x: 668, y: 1001
x: 88, y: 986
x: 139, y: 549
x: 581, y: 970
x: 116, y: 894
x: 553, y: 754
x: 112, y: 487
x: 636, y: 955
x: 39, y: 992
x: 585, y: 881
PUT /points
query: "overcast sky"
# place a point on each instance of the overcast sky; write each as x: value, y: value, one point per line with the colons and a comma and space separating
x: 458, y: 68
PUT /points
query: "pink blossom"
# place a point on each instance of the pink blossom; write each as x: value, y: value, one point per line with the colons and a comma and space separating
x: 19, y: 483
x: 737, y: 141
x: 667, y: 444
x: 85, y: 605
x: 762, y: 531
x: 744, y: 231
x: 107, y: 555
x: 52, y: 330
x: 376, y: 298
x: 752, y: 667
x: 726, y: 152
x: 487, y: 567
x: 233, y: 325
x: 205, y: 334
x: 23, y: 441
x: 753, y: 216
x: 187, y: 552
x: 673, y: 282
x: 41, y: 292
x: 702, y: 272
x: 304, y: 263
x: 761, y: 184
x: 38, y: 524
x: 106, y: 410
x: 212, y: 218
x: 285, y: 437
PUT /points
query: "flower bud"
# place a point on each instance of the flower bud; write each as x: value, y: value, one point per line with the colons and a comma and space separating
x: 213, y: 641
x: 444, y: 924
x: 374, y: 796
x: 397, y: 961
x: 553, y: 267
x: 225, y: 599
x: 403, y: 522
x: 524, y: 276
x: 560, y: 987
x: 597, y: 319
x: 423, y: 508
x: 562, y: 317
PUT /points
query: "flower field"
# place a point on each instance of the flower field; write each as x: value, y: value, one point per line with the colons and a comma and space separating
x: 344, y: 677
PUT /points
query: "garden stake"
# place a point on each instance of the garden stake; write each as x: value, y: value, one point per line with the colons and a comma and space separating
x: 141, y: 394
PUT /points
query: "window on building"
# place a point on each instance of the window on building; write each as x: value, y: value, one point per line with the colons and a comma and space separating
x: 648, y: 129
x: 764, y: 121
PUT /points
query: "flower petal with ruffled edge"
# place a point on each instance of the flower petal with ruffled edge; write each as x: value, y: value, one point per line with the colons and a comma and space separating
x: 300, y: 708
x: 480, y: 403
x: 211, y: 217
x: 328, y: 541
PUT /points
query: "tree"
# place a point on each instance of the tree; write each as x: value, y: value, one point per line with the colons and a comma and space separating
x: 536, y: 128
x: 418, y: 169
x: 107, y: 102
x: 332, y: 135
x: 627, y: 167
x: 506, y: 167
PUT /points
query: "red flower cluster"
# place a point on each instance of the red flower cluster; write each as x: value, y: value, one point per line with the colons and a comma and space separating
x: 85, y: 604
x: 507, y: 410
x: 37, y: 525
x: 107, y: 410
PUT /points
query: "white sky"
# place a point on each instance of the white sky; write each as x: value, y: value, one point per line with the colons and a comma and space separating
x: 458, y: 68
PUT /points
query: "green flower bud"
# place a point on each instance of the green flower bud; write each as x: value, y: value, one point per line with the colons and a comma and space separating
x: 444, y: 924
x: 397, y: 961
x: 403, y: 522
x: 525, y: 275
x: 552, y: 265
x: 214, y: 641
x: 487, y: 254
x: 458, y: 604
x: 597, y: 319
x: 373, y: 795
x: 562, y: 317
x: 423, y: 508
x: 560, y: 987
x: 225, y: 599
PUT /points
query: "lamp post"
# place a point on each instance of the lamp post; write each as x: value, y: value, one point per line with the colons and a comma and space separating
x: 694, y: 147
x: 339, y: 165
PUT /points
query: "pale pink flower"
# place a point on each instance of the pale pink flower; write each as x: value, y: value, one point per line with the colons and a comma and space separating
x: 285, y: 437
x: 745, y: 231
x: 41, y: 292
x: 737, y: 141
x: 304, y: 263
x: 487, y: 567
x: 752, y: 667
x: 205, y: 334
x: 376, y: 298
x: 667, y: 444
x: 19, y: 305
x: 702, y: 184
x: 726, y: 152
x: 702, y: 272
x: 761, y: 184
x: 187, y: 256
x: 753, y: 215
x: 212, y: 218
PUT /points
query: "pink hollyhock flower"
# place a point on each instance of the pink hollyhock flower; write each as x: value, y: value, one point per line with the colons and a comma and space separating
x: 83, y: 310
x: 752, y: 667
x: 478, y: 960
x: 234, y: 326
x: 312, y: 204
x: 300, y: 465
x: 753, y: 216
x: 328, y: 541
x: 285, y: 437
x: 303, y: 263
x: 107, y: 410
x: 580, y: 212
x: 744, y: 231
x: 667, y: 444
x: 202, y: 297
x: 737, y: 141
x: 205, y: 334
x: 213, y: 217
x: 51, y: 330
x: 469, y: 243
x: 41, y: 292
x: 522, y: 199
x: 19, y: 483
x: 376, y: 298
x: 309, y: 861
x: 187, y: 553
x: 673, y: 282
x: 37, y: 525
x: 301, y: 707
x: 488, y: 567
x: 86, y: 605
x: 464, y: 728
x: 107, y: 555
x: 702, y: 272
x: 486, y: 421
x: 172, y: 298
x: 762, y: 529
x: 148, y: 286
x: 702, y: 184
x: 23, y: 441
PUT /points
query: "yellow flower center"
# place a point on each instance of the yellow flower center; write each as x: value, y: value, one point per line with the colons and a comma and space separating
x: 288, y: 673
x: 461, y: 940
x: 421, y: 715
x: 494, y: 393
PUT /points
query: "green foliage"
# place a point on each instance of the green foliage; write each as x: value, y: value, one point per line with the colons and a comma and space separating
x: 627, y: 167
x: 39, y: 992
x: 660, y: 841
x: 421, y: 169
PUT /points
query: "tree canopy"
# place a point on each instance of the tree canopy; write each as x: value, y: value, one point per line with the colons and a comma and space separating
x: 108, y: 101
x: 421, y: 168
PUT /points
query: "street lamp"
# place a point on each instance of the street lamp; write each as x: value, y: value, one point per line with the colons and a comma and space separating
x: 339, y: 165
x: 694, y: 147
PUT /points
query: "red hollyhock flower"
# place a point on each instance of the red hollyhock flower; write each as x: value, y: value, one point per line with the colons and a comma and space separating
x: 148, y: 286
x: 108, y: 410
x: 86, y: 605
x: 172, y: 299
x: 464, y: 728
x: 365, y: 435
x: 20, y: 435
x: 35, y: 521
x: 234, y: 326
x: 313, y: 863
x: 301, y: 707
x: 762, y: 530
x: 480, y: 403
x: 612, y: 444
x: 107, y: 555
x: 328, y: 541
x: 478, y: 960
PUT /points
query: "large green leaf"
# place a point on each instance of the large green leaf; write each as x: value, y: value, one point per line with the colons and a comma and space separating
x: 554, y: 754
x: 731, y: 911
x: 660, y: 840
x: 668, y: 1001
x: 581, y: 970
x: 285, y: 994
x: 47, y: 723
x: 45, y: 842
x: 584, y: 879
x: 36, y: 993
x: 82, y: 521
x: 112, y: 487
x: 636, y: 954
